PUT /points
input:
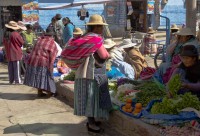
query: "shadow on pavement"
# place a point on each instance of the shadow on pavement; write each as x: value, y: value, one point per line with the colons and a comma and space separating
x: 6, y: 73
x: 58, y: 129
x: 5, y: 84
x: 18, y: 96
x: 49, y: 128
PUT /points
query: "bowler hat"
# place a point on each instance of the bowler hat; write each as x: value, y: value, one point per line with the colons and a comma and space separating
x: 189, y: 50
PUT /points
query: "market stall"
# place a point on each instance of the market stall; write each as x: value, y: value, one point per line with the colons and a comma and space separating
x: 147, y: 101
x: 129, y: 15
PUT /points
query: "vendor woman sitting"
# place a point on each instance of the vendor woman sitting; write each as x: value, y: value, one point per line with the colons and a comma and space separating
x: 189, y: 70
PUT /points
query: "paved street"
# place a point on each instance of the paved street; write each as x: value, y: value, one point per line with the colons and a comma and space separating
x: 23, y: 114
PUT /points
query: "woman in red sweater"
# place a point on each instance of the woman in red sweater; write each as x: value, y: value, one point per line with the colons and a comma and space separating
x: 13, y: 43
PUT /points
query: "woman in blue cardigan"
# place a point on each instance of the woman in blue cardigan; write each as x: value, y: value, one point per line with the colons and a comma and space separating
x: 68, y: 30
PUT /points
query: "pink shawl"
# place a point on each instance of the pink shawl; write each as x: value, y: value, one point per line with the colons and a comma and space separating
x: 82, y: 47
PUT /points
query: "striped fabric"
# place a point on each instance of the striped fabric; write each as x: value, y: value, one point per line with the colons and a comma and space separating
x: 43, y: 53
x: 40, y: 78
x: 79, y: 49
x: 87, y: 99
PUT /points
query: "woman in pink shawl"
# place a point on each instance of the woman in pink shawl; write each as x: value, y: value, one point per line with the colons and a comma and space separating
x: 87, y: 54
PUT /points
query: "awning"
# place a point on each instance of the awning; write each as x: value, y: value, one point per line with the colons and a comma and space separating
x: 75, y: 4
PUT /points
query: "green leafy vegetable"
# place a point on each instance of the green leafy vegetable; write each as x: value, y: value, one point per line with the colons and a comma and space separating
x: 174, y: 85
x: 70, y: 76
x: 173, y: 106
x: 149, y: 91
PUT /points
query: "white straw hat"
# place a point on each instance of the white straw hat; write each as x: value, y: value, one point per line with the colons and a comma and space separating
x: 127, y: 43
x: 96, y: 20
x: 185, y: 32
x: 12, y: 25
x: 21, y: 25
x: 78, y: 31
x: 174, y: 27
x: 108, y: 43
x: 151, y: 31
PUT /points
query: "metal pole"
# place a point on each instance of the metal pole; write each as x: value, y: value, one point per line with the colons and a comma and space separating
x: 167, y: 29
x: 191, y: 14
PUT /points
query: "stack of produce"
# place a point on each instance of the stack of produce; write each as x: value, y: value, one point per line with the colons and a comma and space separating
x: 174, y: 105
x: 128, y: 106
x: 137, y: 109
x: 149, y: 91
x: 70, y: 76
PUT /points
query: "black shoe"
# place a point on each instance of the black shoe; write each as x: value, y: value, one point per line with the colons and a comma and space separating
x: 98, y: 123
x: 41, y: 95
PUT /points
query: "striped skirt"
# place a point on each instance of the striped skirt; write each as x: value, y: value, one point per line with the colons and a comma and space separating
x: 87, y: 97
x: 40, y: 78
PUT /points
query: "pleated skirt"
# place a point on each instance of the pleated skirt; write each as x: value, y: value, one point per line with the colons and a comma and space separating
x: 87, y: 97
x: 40, y: 78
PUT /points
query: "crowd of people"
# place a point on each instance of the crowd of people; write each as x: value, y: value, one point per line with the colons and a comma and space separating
x: 95, y: 60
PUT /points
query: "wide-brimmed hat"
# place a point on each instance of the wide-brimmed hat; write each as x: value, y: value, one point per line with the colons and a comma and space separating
x: 96, y: 20
x: 12, y: 25
x: 185, y: 32
x: 21, y: 25
x: 174, y: 27
x: 78, y: 31
x: 189, y: 50
x: 151, y: 31
x: 127, y: 43
x: 108, y: 43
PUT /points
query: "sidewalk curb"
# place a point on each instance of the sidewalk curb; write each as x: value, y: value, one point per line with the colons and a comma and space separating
x: 123, y: 124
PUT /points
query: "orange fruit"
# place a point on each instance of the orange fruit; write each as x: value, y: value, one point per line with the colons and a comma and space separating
x: 134, y: 113
x: 138, y: 105
x: 124, y: 108
x: 128, y: 100
x: 128, y: 105
x: 129, y: 110
x: 137, y: 110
